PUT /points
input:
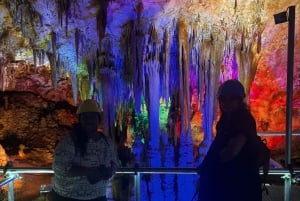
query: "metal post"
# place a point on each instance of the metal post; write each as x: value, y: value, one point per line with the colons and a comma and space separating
x: 289, y: 99
x: 281, y: 18
x: 11, y: 177
x: 287, y: 186
x: 10, y: 195
x: 137, y: 185
x: 290, y: 74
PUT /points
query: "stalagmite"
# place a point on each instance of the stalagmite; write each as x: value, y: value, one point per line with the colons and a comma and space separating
x: 152, y: 71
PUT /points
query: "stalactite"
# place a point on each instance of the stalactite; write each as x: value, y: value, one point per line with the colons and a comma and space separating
x: 53, y: 63
x: 235, y: 6
x: 139, y: 82
x: 67, y: 10
x: 247, y: 60
x: 40, y: 57
x: 137, y: 44
x: 76, y: 37
x: 259, y: 6
x: 73, y: 76
x: 126, y: 51
x: 53, y: 42
x: 184, y: 66
x: 152, y: 94
x: 43, y: 57
x: 217, y: 58
x: 106, y: 57
x: 91, y: 67
x: 212, y: 50
x: 37, y: 57
x: 34, y: 15
x: 244, y: 34
x: 258, y: 43
x: 34, y: 51
x: 174, y: 112
x: 21, y: 20
x: 84, y: 86
x: 107, y: 77
x: 139, y: 9
x: 102, y: 18
x: 26, y: 18
x: 166, y: 65
x: 59, y: 11
x: 59, y: 66
x: 63, y: 9
x: 132, y: 47
x: 52, y: 60
x: 248, y: 49
x: 120, y: 86
x: 152, y: 70
x: 195, y: 63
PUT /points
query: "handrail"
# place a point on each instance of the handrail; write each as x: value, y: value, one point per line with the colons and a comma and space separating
x: 276, y: 134
x: 8, y: 180
x: 42, y: 170
x: 143, y: 170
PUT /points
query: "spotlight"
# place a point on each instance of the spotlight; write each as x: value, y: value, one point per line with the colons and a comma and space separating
x: 280, y: 17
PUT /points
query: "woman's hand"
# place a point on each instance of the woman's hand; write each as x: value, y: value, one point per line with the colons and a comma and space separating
x: 97, y: 174
x: 93, y: 174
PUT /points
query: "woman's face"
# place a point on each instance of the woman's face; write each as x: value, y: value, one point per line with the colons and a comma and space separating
x: 229, y: 104
x: 89, y: 121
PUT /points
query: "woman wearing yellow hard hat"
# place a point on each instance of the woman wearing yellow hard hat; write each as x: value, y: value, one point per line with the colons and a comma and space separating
x: 84, y: 159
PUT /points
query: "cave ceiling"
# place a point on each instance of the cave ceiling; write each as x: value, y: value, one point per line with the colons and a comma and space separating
x: 69, y: 34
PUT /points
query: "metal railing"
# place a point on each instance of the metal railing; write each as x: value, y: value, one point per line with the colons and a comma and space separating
x: 11, y: 174
x: 276, y: 134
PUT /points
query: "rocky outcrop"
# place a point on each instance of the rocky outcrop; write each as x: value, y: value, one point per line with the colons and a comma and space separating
x: 29, y: 119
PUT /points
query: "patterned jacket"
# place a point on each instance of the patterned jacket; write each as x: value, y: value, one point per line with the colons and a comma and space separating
x: 97, y: 153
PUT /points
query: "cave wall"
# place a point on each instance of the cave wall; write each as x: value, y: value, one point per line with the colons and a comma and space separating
x: 29, y: 119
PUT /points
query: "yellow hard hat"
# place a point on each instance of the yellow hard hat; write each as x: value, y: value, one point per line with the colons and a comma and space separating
x: 88, y: 106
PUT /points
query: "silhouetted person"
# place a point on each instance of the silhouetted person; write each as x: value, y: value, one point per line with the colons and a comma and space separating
x: 229, y: 171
